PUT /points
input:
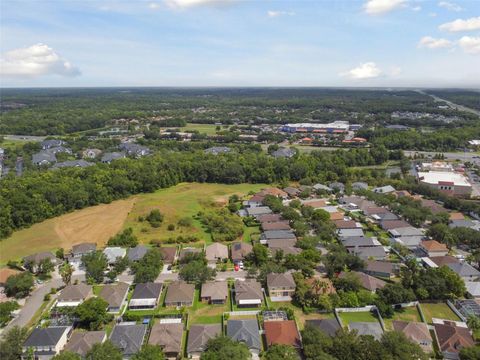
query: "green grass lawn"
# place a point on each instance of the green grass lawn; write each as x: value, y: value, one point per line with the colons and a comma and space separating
x: 97, y: 289
x: 183, y: 200
x: 348, y: 317
x: 440, y: 311
x: 209, y: 129
x: 405, y: 314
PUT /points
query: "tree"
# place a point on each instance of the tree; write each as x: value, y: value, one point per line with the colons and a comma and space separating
x: 470, y: 353
x: 224, y: 348
x: 259, y: 254
x: 281, y: 352
x: 197, y: 272
x: 395, y: 294
x: 92, y: 313
x: 95, y: 264
x: 60, y: 253
x: 67, y: 355
x: 44, y: 268
x: 149, y: 268
x: 125, y: 238
x: 19, y: 285
x: 11, y: 346
x: 6, y: 309
x: 155, y: 218
x: 401, y: 348
x: 104, y: 351
x: 149, y: 352
x: 473, y: 322
x: 66, y: 271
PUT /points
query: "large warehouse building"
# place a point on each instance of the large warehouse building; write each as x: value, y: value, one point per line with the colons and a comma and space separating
x: 451, y: 183
x: 336, y: 127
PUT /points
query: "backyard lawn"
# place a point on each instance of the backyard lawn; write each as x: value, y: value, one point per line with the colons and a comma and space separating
x: 405, y: 314
x: 348, y: 317
x: 439, y: 311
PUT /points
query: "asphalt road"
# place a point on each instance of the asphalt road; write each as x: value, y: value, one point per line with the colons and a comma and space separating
x: 35, y: 300
x: 462, y: 156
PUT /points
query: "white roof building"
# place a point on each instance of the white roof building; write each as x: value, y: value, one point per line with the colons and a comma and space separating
x: 452, y: 183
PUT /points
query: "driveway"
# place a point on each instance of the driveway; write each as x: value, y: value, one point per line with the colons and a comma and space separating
x: 35, y: 301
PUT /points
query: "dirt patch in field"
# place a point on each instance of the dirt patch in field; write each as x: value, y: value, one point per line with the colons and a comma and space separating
x: 94, y: 224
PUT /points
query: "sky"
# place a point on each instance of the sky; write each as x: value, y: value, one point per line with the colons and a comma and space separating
x: 355, y: 43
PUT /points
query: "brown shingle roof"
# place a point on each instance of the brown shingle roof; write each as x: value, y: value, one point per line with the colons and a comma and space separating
x: 269, y: 218
x: 180, y: 291
x: 368, y: 282
x: 274, y: 191
x: 282, y: 333
x: 394, y: 224
x: 444, y: 260
x: 75, y: 292
x: 457, y: 216
x: 240, y: 250
x: 114, y: 294
x: 168, y: 336
x: 453, y: 338
x: 280, y: 280
x: 215, y: 290
x: 279, y: 225
x: 433, y: 245
x: 5, y: 273
x: 345, y: 224
x: 415, y: 331
x: 168, y: 254
x: 247, y: 290
x: 82, y: 342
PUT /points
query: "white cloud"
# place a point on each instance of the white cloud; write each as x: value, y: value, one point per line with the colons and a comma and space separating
x: 450, y: 6
x: 153, y: 5
x: 470, y: 44
x: 183, y: 4
x: 432, y: 14
x: 277, y: 13
x: 34, y: 61
x: 416, y: 8
x: 432, y: 43
x: 462, y: 25
x: 377, y: 7
x: 368, y: 70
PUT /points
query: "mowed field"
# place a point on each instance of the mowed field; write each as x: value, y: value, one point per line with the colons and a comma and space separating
x: 98, y: 223
x: 93, y: 224
x: 183, y: 200
x: 209, y: 129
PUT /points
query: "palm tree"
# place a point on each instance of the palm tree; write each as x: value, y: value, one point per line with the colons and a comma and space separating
x: 66, y: 272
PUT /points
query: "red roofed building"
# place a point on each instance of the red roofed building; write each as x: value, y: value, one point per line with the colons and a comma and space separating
x: 282, y: 333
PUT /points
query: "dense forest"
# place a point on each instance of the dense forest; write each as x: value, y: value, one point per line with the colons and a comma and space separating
x: 63, y: 111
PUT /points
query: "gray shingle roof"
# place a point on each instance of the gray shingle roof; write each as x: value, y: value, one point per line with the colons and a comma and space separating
x: 128, y: 338
x: 180, y: 291
x: 328, y: 326
x: 245, y: 331
x: 82, y: 342
x: 137, y: 253
x: 45, y: 337
x: 148, y: 290
x: 367, y: 328
x: 464, y: 269
x: 199, y: 335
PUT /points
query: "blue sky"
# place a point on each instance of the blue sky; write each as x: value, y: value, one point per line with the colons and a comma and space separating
x: 240, y: 43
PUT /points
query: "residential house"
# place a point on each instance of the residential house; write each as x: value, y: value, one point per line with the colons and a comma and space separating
x: 394, y: 224
x: 279, y: 225
x: 180, y: 293
x: 133, y: 149
x: 466, y: 271
x: 452, y: 338
x: 46, y: 342
x: 292, y: 191
x: 315, y: 203
x: 169, y: 337
x: 285, y: 248
x: 273, y: 191
x: 169, y: 254
x: 145, y: 296
x: 248, y: 293
x: 53, y: 143
x: 217, y: 150
x: 336, y: 216
x: 367, y: 328
x: 107, y: 158
x: 269, y: 218
x: 320, y: 285
x: 434, y: 207
x: 198, y: 336
x: 444, y: 260
x: 347, y: 224
x: 359, y: 186
x: 81, y: 342
x: 137, y: 253
x: 337, y: 186
x: 216, y: 252
x: 215, y: 292
x: 384, y: 216
x: 417, y: 332
x: 79, y: 250
x: 383, y: 269
x: 72, y: 163
x: 189, y: 250
x: 368, y: 282
x: 91, y: 153
x: 384, y: 189
x: 128, y: 338
x: 433, y: 248
x: 328, y: 326
x: 347, y: 233
x: 114, y: 253
x: 74, y: 295
x: 471, y: 224
x: 32, y: 261
x: 281, y: 285
x: 321, y: 187
x: 369, y: 253
x: 278, y: 234
x: 405, y: 231
x: 360, y: 241
x: 282, y: 332
x: 247, y: 332
x: 473, y: 289
x: 255, y: 200
x: 239, y: 250
x: 257, y: 211
x: 115, y: 295
x: 285, y: 153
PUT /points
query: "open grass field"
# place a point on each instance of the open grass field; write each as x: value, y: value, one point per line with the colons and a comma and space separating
x: 405, y: 314
x: 93, y: 224
x: 183, y: 200
x: 348, y: 317
x: 209, y: 129
x: 439, y: 311
x: 99, y: 223
x: 12, y: 144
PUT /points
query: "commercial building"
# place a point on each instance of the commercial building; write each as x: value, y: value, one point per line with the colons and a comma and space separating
x: 336, y: 127
x: 451, y: 183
